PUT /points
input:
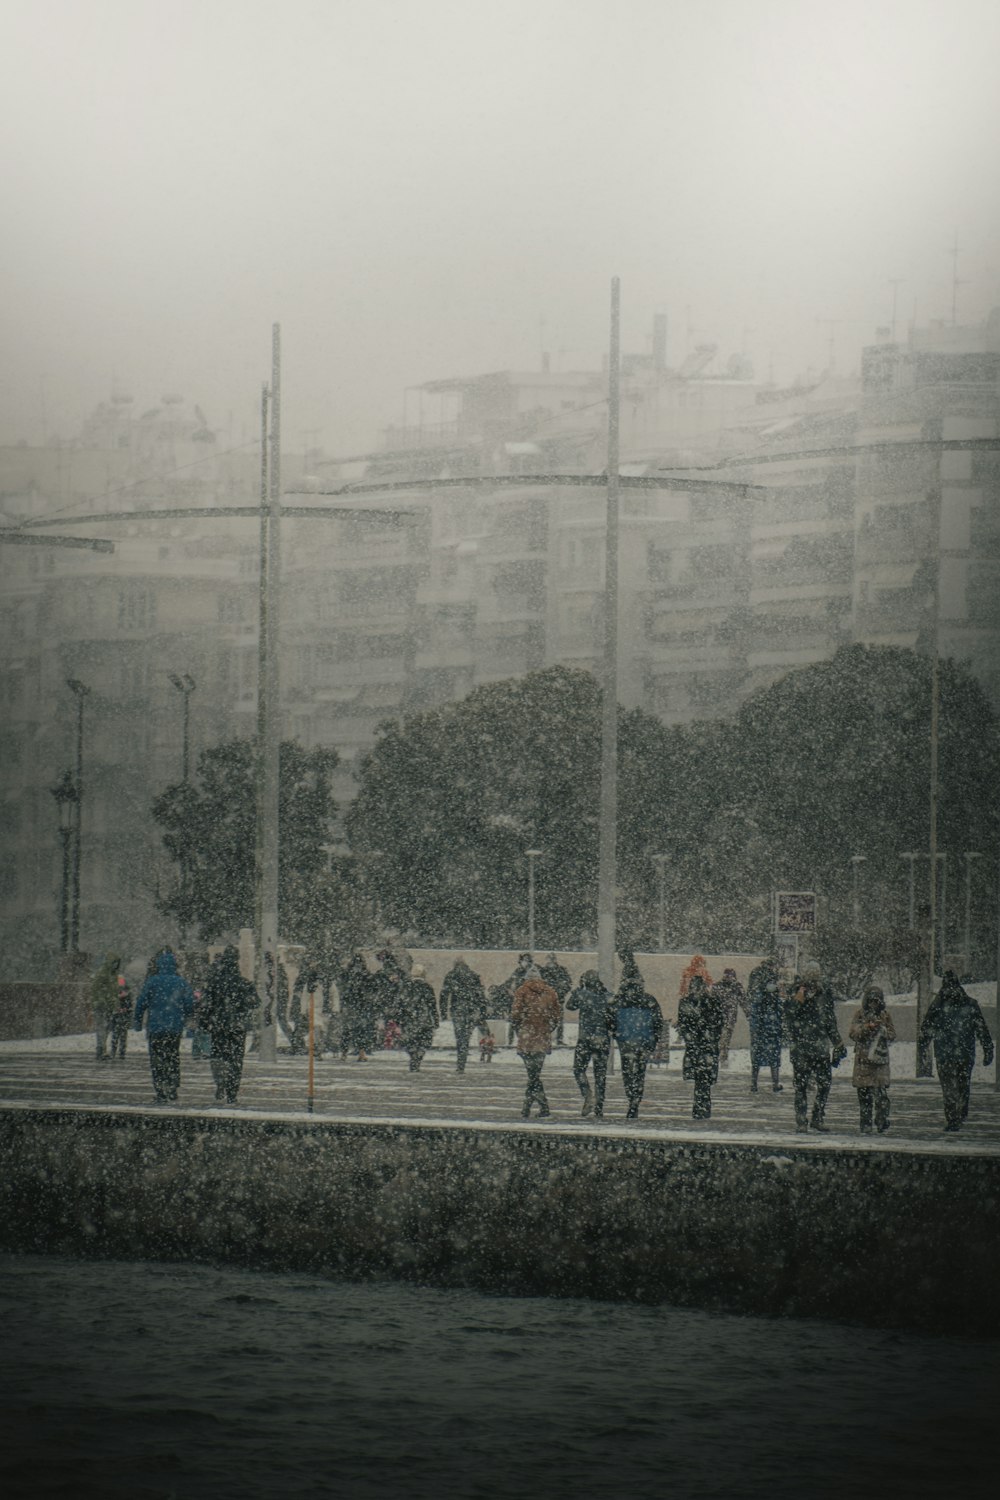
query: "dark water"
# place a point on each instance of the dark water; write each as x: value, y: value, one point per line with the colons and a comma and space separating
x: 152, y: 1381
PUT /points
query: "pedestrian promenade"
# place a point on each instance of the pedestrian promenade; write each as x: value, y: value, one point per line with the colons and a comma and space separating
x: 63, y: 1072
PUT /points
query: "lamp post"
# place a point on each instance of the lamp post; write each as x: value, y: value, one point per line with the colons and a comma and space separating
x: 912, y: 857
x: 184, y: 684
x: 64, y: 792
x: 81, y: 692
x: 970, y: 855
x: 857, y: 860
x: 660, y: 860
x: 942, y: 860
x: 531, y: 855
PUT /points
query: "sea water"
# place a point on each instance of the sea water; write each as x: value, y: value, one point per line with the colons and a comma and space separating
x: 135, y: 1381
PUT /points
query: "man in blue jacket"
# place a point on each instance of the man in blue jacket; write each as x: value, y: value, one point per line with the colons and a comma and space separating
x: 169, y: 1000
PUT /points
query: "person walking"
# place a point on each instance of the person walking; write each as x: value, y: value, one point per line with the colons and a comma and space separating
x: 169, y: 1001
x: 104, y: 1001
x: 594, y: 1004
x: 356, y: 986
x: 121, y: 1020
x: 463, y: 1000
x: 733, y: 999
x: 872, y: 1032
x: 418, y: 1015
x: 558, y: 977
x: 534, y: 1015
x: 810, y: 1024
x: 955, y: 1023
x: 766, y: 1025
x: 228, y: 1006
x: 701, y: 1019
x: 638, y: 1026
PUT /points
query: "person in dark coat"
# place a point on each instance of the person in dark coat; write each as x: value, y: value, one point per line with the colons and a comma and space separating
x: 872, y: 1032
x: 955, y: 1023
x: 228, y: 1006
x: 121, y: 1019
x: 534, y: 1016
x: 595, y: 1006
x: 558, y: 978
x: 463, y: 999
x: 701, y: 1018
x: 418, y: 1015
x: 638, y: 1026
x: 358, y: 1002
x: 810, y: 1024
x: 169, y: 1000
x: 765, y: 997
x: 733, y: 998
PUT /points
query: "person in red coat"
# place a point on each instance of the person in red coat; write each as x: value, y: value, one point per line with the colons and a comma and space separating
x: 535, y: 1015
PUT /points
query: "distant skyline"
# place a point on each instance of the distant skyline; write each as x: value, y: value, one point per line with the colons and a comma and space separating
x: 420, y: 190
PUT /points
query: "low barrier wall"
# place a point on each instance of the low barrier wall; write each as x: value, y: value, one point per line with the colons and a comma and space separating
x: 892, y: 1238
x: 31, y: 1010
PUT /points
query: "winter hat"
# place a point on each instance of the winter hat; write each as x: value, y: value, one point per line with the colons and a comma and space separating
x: 729, y: 973
x: 591, y: 980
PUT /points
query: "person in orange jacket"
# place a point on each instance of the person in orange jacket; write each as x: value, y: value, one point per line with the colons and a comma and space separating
x: 535, y: 1015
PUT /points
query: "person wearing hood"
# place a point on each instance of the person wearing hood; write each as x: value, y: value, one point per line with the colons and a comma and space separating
x: 595, y: 1005
x: 765, y: 1023
x: 701, y: 1019
x: 810, y: 1024
x: 534, y: 1015
x: 733, y: 998
x: 955, y: 1023
x: 557, y: 976
x: 638, y: 1026
x: 169, y: 1001
x: 872, y: 1031
x: 358, y: 988
x: 463, y: 1000
x: 418, y: 1014
x: 228, y: 1006
x: 104, y: 1001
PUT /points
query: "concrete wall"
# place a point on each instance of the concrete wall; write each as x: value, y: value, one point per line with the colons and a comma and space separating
x: 865, y: 1235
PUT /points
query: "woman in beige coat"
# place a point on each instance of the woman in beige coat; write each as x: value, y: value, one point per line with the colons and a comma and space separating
x: 871, y: 1032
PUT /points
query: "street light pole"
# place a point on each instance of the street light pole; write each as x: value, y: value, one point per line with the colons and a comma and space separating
x: 184, y: 684
x: 81, y: 692
x: 531, y: 855
x: 660, y: 860
x: 64, y: 792
x: 607, y: 877
x: 912, y: 908
x: 943, y: 861
x: 857, y: 860
x: 970, y: 855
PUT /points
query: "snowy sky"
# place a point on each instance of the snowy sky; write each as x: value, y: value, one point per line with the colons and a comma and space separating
x: 411, y: 186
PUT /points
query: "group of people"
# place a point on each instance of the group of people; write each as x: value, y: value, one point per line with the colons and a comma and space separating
x: 797, y: 1011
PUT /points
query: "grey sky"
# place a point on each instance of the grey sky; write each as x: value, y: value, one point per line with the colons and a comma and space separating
x: 411, y: 187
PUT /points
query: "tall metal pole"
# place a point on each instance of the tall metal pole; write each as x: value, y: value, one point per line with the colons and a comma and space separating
x: 925, y: 987
x: 271, y: 744
x: 531, y: 855
x: 943, y: 923
x: 81, y: 692
x: 260, y: 966
x: 970, y: 855
x: 607, y: 877
x: 660, y: 861
x: 185, y: 758
x: 64, y: 834
x: 912, y: 906
x: 857, y: 860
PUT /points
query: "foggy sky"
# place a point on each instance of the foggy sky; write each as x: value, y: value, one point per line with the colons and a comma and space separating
x: 410, y: 188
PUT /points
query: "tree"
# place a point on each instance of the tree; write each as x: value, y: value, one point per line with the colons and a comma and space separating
x: 209, y: 829
x: 450, y: 799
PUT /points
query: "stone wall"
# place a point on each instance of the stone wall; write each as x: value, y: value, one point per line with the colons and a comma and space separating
x: 857, y: 1235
